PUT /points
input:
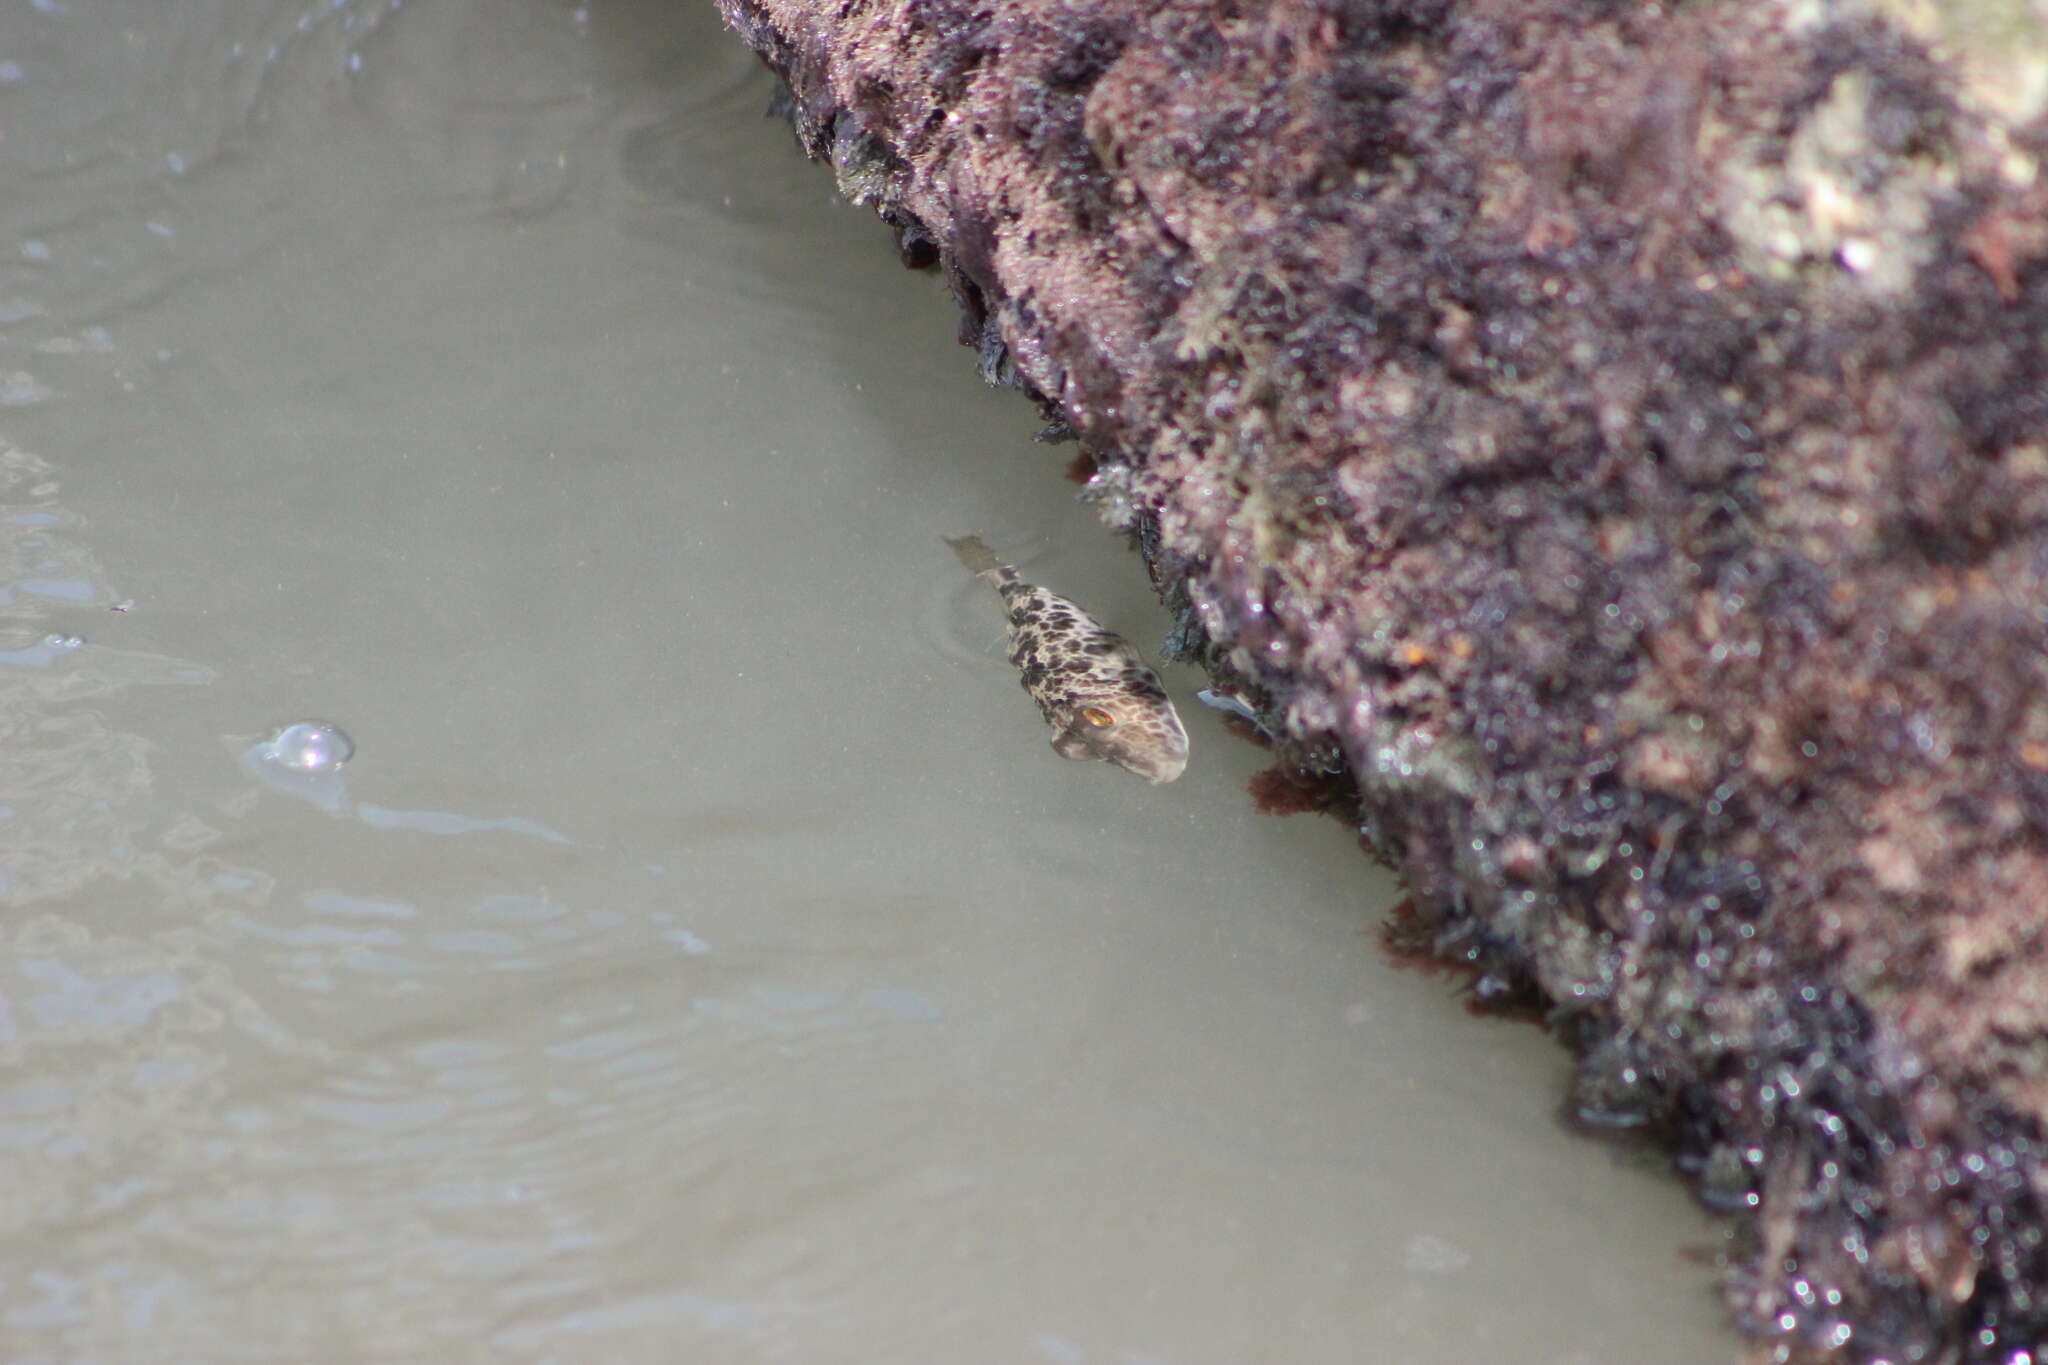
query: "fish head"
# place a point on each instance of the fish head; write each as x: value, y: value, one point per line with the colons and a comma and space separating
x: 1139, y: 733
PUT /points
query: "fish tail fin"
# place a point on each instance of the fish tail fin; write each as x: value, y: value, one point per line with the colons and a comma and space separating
x: 974, y: 553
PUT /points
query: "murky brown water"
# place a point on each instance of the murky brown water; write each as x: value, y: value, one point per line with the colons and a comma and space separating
x: 704, y: 957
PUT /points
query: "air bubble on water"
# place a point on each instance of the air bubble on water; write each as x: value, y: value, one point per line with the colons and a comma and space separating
x: 311, y: 747
x: 303, y: 761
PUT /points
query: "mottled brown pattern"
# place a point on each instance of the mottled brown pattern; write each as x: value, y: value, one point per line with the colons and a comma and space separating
x: 1620, y: 433
x: 1093, y: 689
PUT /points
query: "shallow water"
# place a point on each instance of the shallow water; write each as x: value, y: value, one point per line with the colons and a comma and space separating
x: 703, y: 956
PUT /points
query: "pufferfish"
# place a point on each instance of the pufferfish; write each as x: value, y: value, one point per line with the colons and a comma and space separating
x: 1090, y: 685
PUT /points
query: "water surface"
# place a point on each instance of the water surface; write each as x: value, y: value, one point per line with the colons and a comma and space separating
x: 703, y: 956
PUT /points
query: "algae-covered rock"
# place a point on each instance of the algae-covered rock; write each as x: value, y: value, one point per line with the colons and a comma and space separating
x: 1620, y: 432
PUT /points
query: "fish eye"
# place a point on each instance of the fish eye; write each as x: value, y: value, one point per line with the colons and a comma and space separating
x: 1097, y: 717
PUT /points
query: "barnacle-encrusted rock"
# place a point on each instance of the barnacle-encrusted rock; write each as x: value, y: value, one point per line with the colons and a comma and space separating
x: 1618, y: 431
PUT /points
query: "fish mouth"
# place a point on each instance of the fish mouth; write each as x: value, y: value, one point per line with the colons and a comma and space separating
x: 1161, y: 774
x: 1158, y: 769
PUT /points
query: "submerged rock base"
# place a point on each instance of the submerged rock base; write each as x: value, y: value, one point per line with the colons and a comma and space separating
x: 1615, y: 432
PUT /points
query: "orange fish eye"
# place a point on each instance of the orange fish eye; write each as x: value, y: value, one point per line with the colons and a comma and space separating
x: 1097, y: 717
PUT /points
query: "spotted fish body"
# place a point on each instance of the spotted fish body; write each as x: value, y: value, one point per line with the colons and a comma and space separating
x: 1090, y: 685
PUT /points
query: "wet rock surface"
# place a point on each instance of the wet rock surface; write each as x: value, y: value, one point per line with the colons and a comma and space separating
x: 1618, y: 434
